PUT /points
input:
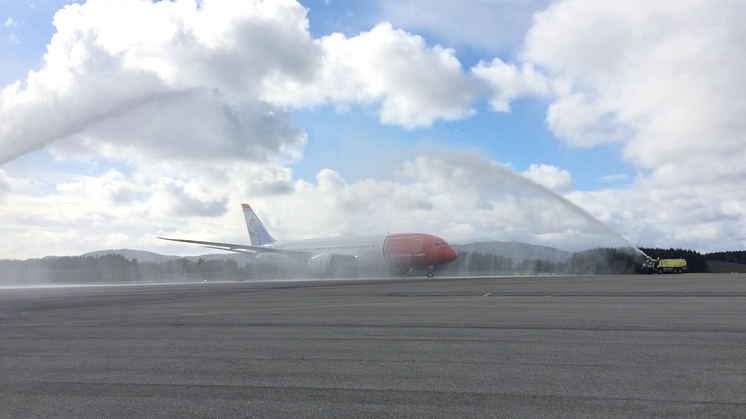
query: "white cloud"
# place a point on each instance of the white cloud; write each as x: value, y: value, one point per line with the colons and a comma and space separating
x: 196, y: 126
x: 583, y: 123
x: 414, y: 84
x: 558, y: 180
x: 85, y: 213
x: 110, y: 188
x: 181, y: 79
x: 665, y: 81
x: 115, y: 239
x: 652, y: 216
x: 136, y: 79
x: 5, y: 184
x: 54, y: 238
x: 508, y: 83
x: 181, y: 199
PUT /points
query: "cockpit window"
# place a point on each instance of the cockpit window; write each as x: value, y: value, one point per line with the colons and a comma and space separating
x: 440, y: 244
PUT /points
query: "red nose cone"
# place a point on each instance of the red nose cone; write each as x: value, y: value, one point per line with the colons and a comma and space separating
x: 445, y: 254
x: 414, y: 250
x: 451, y: 255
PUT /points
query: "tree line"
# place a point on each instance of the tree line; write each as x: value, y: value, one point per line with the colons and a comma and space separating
x: 600, y: 261
x: 116, y: 268
x: 594, y: 261
x: 730, y: 257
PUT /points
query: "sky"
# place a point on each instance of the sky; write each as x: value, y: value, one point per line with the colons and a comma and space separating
x: 568, y: 123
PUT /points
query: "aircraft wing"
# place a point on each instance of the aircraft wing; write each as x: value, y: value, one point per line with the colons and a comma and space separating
x: 240, y: 248
x: 247, y: 253
x: 253, y: 250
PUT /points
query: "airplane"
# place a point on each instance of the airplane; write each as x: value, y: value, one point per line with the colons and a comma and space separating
x: 334, y: 256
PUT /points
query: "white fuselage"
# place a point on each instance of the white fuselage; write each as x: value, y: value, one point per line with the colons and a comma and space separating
x: 368, y: 251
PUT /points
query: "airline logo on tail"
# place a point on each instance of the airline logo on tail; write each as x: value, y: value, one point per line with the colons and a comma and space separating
x: 257, y: 233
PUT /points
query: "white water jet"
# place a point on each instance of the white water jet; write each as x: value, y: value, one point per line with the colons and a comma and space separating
x: 487, y: 201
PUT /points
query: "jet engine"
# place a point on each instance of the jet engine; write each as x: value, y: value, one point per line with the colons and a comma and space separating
x: 324, y: 264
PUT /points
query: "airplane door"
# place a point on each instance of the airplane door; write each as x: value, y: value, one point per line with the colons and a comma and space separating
x: 417, y: 245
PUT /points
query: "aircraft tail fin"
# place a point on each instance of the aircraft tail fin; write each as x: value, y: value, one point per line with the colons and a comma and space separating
x: 257, y: 233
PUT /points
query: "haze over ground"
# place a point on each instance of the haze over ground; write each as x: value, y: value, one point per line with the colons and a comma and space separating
x: 128, y: 120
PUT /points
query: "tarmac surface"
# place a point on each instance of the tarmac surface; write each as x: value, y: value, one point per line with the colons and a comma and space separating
x: 659, y: 346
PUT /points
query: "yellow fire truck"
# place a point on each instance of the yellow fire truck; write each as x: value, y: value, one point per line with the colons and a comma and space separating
x: 664, y: 266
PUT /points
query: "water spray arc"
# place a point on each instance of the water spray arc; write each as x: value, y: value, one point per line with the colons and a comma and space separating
x: 532, y: 212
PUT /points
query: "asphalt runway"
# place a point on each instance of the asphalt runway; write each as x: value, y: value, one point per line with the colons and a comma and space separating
x: 660, y: 346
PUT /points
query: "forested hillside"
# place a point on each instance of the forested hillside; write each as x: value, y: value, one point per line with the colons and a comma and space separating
x: 115, y: 268
x: 594, y: 261
x: 730, y: 257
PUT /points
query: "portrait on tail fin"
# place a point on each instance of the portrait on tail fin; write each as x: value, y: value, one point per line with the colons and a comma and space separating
x: 257, y: 233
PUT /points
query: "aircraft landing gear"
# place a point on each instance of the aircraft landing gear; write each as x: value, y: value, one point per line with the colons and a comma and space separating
x: 405, y: 270
x: 429, y: 274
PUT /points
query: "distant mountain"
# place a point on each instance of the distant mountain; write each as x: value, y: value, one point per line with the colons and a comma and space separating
x: 143, y: 256
x: 515, y: 250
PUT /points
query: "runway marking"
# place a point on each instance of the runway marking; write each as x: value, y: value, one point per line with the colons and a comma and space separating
x: 486, y: 295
